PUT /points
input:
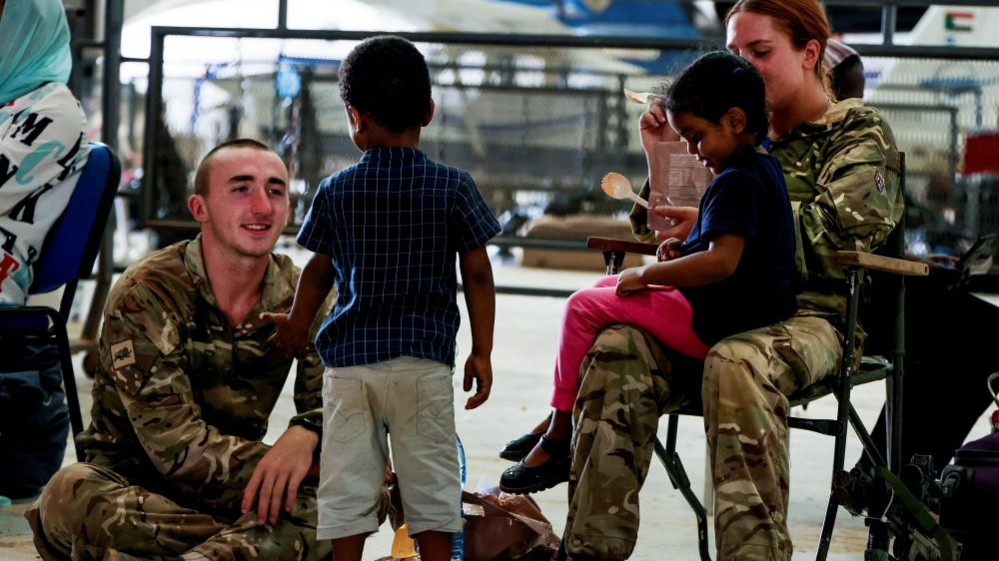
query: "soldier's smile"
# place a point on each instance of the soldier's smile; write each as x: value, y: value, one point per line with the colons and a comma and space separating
x: 257, y: 229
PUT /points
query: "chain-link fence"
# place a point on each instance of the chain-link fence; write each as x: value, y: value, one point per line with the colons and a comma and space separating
x: 536, y: 125
x: 940, y: 110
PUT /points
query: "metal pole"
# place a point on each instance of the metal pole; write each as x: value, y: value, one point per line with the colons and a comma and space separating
x: 110, y: 106
x: 282, y: 14
x: 950, y: 52
x: 894, y: 400
x: 78, y: 32
x: 889, y: 17
x: 952, y: 151
x: 113, y: 21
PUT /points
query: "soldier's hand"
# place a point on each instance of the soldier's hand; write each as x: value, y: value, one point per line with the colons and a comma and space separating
x: 275, y: 480
x: 478, y: 368
x: 668, y: 250
x: 654, y: 128
x: 630, y: 282
x: 290, y: 338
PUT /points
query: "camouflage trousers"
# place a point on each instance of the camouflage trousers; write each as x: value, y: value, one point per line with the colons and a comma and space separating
x: 90, y: 513
x: 629, y: 380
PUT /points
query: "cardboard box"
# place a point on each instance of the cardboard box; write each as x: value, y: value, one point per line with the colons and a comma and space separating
x: 578, y: 227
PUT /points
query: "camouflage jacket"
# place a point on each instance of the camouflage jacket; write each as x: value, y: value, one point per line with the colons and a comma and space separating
x: 842, y: 175
x: 181, y: 398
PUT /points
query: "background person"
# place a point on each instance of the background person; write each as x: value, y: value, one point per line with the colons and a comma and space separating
x: 42, y: 152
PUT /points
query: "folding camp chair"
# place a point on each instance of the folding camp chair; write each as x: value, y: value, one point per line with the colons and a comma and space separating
x: 885, y: 366
x: 68, y: 255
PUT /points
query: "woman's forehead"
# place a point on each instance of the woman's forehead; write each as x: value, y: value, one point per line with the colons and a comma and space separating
x: 745, y: 28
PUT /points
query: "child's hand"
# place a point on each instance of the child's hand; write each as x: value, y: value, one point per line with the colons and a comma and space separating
x: 288, y: 337
x: 668, y: 250
x: 480, y: 369
x: 630, y: 282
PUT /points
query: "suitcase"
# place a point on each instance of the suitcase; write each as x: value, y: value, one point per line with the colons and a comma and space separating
x: 969, y: 509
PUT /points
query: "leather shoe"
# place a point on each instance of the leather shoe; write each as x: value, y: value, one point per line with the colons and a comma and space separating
x: 518, y: 448
x: 521, y: 479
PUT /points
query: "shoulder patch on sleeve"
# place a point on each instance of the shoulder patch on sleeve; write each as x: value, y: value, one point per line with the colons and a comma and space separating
x: 122, y: 354
x: 879, y: 181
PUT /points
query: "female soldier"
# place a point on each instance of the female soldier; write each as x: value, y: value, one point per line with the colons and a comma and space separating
x: 841, y: 168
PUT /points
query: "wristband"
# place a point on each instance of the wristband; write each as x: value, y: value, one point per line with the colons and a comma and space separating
x: 307, y: 423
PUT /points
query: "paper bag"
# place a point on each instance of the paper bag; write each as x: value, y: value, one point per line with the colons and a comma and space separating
x: 677, y: 179
x: 506, y: 528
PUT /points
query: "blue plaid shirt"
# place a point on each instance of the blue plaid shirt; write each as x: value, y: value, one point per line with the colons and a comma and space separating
x: 392, y: 224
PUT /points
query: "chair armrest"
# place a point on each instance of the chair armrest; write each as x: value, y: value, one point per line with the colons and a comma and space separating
x: 25, y: 320
x: 883, y: 264
x: 611, y: 244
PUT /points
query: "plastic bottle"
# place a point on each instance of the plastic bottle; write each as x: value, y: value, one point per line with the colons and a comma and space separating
x: 458, y: 538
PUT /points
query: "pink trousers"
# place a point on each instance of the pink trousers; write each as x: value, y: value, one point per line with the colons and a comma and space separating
x: 662, y: 311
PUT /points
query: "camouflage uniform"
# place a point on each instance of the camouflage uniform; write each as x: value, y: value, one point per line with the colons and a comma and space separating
x: 842, y: 176
x: 181, y: 403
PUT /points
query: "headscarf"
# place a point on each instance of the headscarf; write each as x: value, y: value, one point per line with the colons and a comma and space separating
x: 34, y: 47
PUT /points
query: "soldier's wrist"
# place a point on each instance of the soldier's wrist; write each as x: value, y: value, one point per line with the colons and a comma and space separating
x: 310, y: 425
x: 307, y: 423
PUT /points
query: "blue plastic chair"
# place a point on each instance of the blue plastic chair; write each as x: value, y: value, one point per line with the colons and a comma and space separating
x: 68, y: 255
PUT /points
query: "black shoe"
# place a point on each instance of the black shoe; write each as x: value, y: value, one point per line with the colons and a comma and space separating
x: 522, y: 480
x: 518, y: 448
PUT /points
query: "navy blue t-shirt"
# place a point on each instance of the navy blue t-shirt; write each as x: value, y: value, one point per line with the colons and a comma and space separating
x: 749, y: 199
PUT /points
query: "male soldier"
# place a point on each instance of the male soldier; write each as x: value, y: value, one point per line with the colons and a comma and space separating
x: 175, y: 467
x: 629, y: 380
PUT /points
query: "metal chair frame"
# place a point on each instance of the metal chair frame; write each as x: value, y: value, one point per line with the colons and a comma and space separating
x: 89, y: 208
x: 888, y: 367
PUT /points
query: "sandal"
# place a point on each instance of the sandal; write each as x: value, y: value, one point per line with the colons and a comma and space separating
x: 521, y: 479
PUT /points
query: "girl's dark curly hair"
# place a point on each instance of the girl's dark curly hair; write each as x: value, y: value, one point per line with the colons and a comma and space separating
x: 716, y: 82
x: 386, y: 78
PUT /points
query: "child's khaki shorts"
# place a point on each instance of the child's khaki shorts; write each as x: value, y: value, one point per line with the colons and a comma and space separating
x: 412, y: 399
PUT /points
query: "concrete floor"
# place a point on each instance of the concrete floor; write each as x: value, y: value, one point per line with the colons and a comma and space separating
x: 526, y: 338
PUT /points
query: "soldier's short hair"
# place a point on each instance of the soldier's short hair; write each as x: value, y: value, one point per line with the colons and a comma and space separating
x: 205, y: 168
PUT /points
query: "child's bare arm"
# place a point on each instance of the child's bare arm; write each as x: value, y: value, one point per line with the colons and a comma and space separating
x: 314, y: 286
x: 715, y: 264
x: 480, y: 297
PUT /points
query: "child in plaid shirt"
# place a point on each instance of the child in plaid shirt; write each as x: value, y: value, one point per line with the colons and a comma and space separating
x: 385, y: 233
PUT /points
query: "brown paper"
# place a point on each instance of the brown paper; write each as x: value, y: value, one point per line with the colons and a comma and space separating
x: 510, y: 528
x: 497, y: 528
x: 677, y: 179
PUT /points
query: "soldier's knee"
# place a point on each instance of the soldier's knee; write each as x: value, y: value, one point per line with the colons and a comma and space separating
x: 74, y: 473
x: 618, y: 345
x: 75, y: 477
x: 61, y: 506
x: 619, y: 356
x: 730, y: 359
